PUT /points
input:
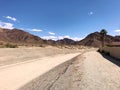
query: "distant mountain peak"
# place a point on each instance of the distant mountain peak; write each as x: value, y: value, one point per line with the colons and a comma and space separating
x: 94, y: 39
x: 21, y: 37
x: 18, y: 36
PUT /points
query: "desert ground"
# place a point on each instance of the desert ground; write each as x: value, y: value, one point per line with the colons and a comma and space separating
x: 52, y: 68
x: 16, y: 55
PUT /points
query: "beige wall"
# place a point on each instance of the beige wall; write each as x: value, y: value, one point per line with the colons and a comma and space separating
x: 114, y: 51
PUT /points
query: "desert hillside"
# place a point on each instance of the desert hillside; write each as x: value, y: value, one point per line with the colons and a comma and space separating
x: 21, y: 37
x: 94, y: 39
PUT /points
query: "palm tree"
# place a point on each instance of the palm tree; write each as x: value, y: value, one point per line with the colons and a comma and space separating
x: 103, y: 33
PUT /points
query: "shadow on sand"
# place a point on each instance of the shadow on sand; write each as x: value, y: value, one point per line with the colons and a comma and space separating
x: 111, y: 59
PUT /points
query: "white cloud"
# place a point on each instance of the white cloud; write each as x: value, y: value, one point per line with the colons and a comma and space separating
x: 61, y: 37
x: 36, y: 30
x: 11, y: 18
x: 73, y: 38
x: 6, y: 25
x: 90, y: 13
x: 76, y: 38
x: 117, y: 31
x: 22, y: 29
x: 67, y: 36
x: 49, y: 37
x: 51, y: 33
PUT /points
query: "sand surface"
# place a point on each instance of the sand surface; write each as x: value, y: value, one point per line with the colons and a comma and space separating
x: 89, y: 71
x: 19, y: 66
x: 57, y: 69
x: 14, y: 76
x: 16, y: 55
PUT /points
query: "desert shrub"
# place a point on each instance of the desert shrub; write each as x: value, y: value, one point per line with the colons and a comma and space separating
x: 41, y: 45
x: 104, y: 52
x: 1, y: 43
x: 107, y: 53
x: 98, y: 50
x: 1, y: 46
x: 8, y: 45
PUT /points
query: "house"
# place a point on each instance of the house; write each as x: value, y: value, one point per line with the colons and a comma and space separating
x: 113, y: 49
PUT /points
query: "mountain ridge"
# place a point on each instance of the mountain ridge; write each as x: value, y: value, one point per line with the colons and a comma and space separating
x: 19, y: 36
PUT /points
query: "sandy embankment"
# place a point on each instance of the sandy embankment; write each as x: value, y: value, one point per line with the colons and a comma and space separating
x: 90, y: 71
x: 16, y: 73
x: 16, y: 55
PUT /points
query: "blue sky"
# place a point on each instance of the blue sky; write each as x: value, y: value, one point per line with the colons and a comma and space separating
x: 56, y: 19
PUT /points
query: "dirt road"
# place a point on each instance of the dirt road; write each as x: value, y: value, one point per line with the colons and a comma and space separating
x: 14, y: 76
x: 90, y: 71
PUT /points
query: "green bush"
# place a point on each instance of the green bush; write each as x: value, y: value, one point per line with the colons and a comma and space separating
x: 41, y: 45
x: 103, y: 52
x: 98, y: 50
x: 107, y: 53
x: 8, y: 45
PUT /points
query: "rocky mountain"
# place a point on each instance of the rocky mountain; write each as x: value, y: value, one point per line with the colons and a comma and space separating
x: 66, y: 41
x: 22, y: 37
x: 94, y: 39
x: 18, y: 36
